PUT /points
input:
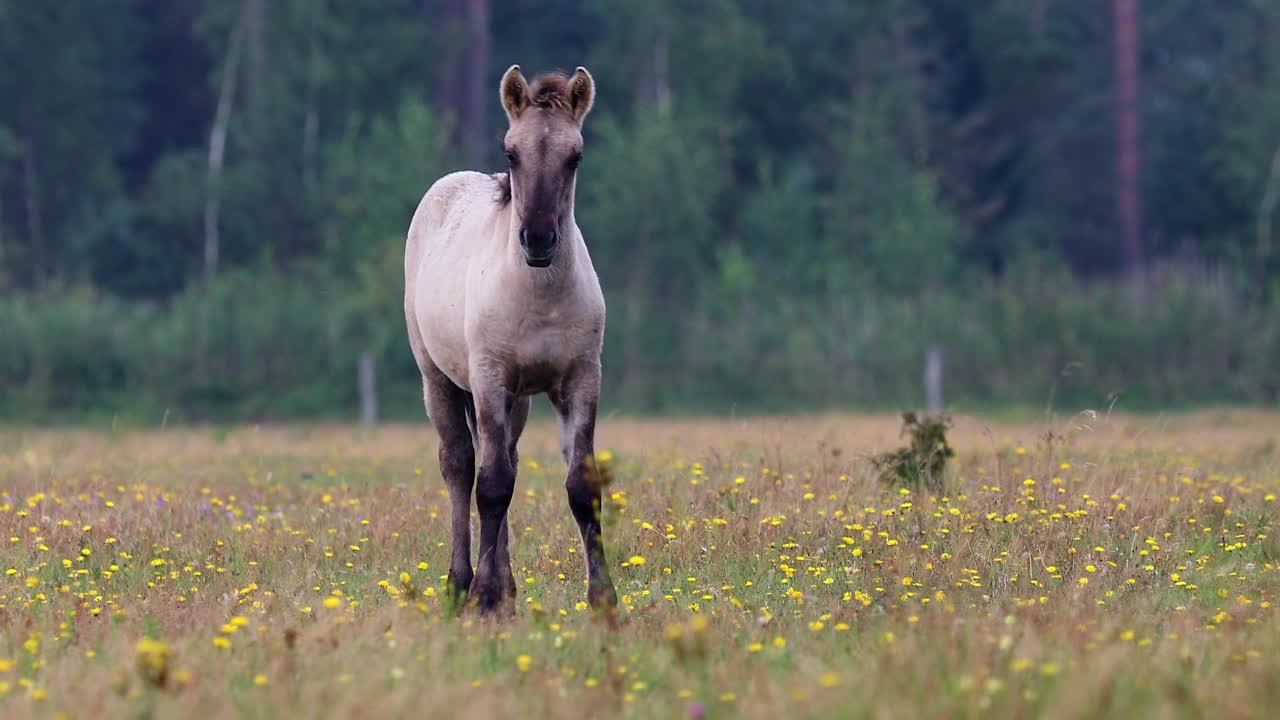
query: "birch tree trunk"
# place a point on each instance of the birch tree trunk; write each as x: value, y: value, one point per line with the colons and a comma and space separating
x: 213, y: 184
x: 35, y: 218
x: 661, y: 74
x: 218, y: 148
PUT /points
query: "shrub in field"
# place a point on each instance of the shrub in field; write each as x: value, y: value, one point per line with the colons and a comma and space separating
x: 922, y: 462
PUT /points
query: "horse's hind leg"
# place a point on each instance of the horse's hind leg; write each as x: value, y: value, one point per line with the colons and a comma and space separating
x: 447, y: 408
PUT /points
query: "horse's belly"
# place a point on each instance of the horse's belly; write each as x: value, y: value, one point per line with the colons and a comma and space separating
x: 452, y: 361
x: 440, y: 320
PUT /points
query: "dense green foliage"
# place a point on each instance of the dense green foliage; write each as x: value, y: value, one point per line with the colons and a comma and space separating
x: 787, y: 202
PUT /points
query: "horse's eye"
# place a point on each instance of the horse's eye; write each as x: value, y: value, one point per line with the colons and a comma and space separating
x: 512, y: 160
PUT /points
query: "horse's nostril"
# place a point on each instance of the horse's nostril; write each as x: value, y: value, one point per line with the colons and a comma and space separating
x: 539, y: 241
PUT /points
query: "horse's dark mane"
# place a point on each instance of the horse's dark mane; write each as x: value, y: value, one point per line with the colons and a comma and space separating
x: 503, y: 195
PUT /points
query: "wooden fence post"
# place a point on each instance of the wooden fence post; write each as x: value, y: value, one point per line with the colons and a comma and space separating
x: 933, y: 379
x: 368, y: 391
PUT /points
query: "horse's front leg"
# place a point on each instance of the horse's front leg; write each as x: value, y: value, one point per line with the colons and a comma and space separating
x: 576, y: 404
x: 495, y: 484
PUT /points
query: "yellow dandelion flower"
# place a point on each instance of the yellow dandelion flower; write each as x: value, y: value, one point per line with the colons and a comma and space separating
x: 152, y: 660
x: 523, y: 663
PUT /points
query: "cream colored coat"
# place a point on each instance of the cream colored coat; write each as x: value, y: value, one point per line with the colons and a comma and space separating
x: 478, y: 311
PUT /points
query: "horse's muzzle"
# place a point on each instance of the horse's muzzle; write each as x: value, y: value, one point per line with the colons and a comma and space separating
x: 539, y: 247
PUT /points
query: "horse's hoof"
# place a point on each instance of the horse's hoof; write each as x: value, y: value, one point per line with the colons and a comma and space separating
x: 602, y: 597
x: 458, y: 589
x: 486, y: 597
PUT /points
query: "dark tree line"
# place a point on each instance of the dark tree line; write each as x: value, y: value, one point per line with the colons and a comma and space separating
x: 750, y: 161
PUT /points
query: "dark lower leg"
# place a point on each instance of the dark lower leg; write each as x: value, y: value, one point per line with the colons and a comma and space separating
x: 460, y: 573
x: 504, y: 559
x: 576, y: 404
x: 493, y: 496
x: 457, y: 465
x: 584, y: 501
x: 494, y: 487
x: 519, y: 416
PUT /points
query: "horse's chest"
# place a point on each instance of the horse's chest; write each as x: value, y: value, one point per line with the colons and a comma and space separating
x: 541, y: 352
x: 539, y: 349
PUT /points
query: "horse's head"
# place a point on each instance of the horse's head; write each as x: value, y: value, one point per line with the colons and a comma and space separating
x: 543, y: 146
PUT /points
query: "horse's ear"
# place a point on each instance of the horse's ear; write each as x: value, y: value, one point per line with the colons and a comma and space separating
x: 514, y: 92
x: 582, y: 93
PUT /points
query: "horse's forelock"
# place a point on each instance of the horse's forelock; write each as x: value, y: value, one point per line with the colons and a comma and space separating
x: 551, y: 91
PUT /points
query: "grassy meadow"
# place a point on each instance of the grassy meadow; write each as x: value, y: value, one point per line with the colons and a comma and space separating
x: 1080, y: 567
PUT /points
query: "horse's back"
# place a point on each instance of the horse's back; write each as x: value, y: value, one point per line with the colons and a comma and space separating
x: 446, y: 206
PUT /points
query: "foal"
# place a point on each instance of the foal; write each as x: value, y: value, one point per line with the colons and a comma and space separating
x: 502, y: 303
